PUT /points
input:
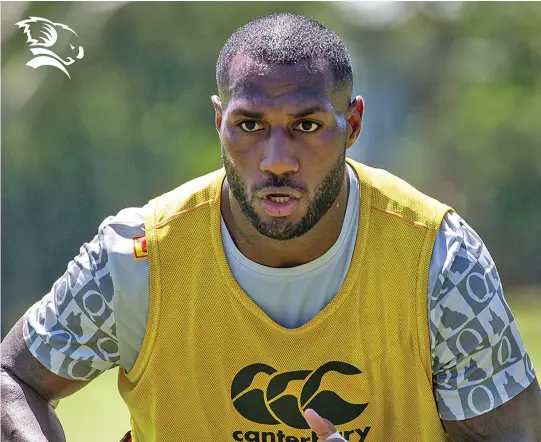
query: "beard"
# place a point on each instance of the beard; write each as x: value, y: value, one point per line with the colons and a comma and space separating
x: 278, y: 228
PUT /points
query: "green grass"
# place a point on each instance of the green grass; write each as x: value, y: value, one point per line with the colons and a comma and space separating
x: 97, y: 412
x: 526, y: 306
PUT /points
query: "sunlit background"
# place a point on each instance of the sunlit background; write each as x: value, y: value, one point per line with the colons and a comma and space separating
x: 453, y: 105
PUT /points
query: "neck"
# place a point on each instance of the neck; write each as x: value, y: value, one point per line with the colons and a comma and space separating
x: 273, y: 253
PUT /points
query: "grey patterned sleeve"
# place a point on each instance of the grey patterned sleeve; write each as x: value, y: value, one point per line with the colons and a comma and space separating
x: 72, y: 331
x: 478, y: 358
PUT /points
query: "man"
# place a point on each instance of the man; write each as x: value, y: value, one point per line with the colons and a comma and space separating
x: 291, y: 294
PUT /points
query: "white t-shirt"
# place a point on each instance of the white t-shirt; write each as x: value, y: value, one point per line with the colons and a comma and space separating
x: 94, y: 318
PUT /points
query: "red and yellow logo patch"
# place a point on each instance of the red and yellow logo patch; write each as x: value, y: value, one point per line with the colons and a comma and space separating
x: 140, y: 247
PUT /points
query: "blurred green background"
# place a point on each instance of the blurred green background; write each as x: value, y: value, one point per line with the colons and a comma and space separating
x: 453, y: 105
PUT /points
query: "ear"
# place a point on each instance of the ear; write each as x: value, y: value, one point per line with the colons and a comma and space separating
x: 355, y: 119
x: 217, y: 104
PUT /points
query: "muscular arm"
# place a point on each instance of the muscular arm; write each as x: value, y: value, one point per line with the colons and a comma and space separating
x: 484, y: 380
x: 69, y: 337
x: 518, y: 420
x: 27, y: 388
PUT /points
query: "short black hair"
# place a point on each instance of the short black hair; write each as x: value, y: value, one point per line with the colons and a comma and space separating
x: 286, y: 39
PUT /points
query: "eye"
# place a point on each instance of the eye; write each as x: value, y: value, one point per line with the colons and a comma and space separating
x: 250, y: 126
x: 308, y: 126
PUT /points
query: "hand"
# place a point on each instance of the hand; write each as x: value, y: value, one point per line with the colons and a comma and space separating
x: 321, y: 426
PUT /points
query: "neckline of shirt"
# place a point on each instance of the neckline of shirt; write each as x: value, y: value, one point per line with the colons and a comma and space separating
x: 324, y: 260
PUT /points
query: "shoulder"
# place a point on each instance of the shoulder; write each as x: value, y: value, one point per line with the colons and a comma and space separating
x: 459, y: 255
x: 449, y: 239
x: 122, y: 236
x: 197, y: 193
x: 393, y: 196
x: 117, y: 232
x: 129, y: 220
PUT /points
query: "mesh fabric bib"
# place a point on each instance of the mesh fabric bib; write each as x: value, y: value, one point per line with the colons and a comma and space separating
x: 214, y: 367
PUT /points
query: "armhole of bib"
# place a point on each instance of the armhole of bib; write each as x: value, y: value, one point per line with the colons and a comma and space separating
x: 154, y: 297
x: 422, y: 330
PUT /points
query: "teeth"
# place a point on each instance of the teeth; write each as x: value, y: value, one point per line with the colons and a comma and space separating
x: 279, y: 199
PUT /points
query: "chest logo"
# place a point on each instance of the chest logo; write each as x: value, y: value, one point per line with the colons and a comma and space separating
x: 275, y: 405
x: 140, y: 250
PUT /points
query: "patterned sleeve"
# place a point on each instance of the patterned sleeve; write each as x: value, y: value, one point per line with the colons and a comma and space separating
x: 478, y: 358
x: 72, y: 330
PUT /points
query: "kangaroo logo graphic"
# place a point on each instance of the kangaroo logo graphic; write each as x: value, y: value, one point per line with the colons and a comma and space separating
x: 41, y: 36
x: 274, y: 407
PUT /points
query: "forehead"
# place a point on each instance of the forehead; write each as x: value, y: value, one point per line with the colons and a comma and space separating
x: 258, y: 83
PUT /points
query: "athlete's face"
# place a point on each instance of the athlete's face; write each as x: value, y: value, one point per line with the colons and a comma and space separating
x: 284, y: 133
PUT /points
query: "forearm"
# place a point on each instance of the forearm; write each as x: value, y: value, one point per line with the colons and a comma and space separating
x: 26, y: 416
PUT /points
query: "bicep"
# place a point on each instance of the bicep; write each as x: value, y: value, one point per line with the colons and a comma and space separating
x: 72, y: 330
x: 21, y: 365
x: 517, y: 420
x: 480, y: 365
x: 69, y: 337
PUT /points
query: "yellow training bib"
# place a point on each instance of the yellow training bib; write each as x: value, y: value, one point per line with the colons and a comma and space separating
x: 214, y: 367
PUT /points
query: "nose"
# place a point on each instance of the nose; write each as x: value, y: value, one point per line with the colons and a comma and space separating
x: 279, y: 157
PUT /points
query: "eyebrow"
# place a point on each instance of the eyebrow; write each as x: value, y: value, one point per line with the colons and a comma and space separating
x: 308, y: 111
x: 247, y: 113
x: 258, y: 115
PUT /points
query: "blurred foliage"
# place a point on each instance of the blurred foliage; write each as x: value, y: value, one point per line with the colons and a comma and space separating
x: 453, y: 105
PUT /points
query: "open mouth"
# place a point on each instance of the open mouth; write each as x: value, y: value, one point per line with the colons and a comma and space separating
x: 279, y: 204
x: 279, y: 198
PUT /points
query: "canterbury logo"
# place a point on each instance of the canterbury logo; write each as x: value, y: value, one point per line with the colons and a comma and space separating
x: 275, y: 406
